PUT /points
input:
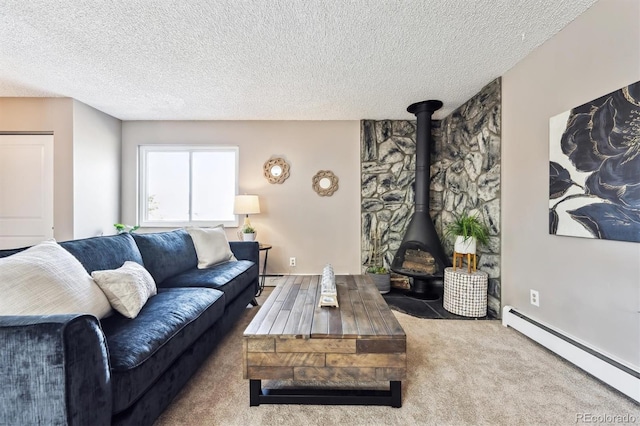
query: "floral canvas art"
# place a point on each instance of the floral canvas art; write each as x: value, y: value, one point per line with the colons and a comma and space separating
x: 594, y: 168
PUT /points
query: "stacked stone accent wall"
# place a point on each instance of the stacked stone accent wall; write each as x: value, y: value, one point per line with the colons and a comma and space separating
x: 465, y: 176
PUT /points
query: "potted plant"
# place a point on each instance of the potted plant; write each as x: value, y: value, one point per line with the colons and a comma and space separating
x: 248, y: 233
x: 376, y: 270
x: 380, y: 277
x: 468, y: 231
x: 122, y: 228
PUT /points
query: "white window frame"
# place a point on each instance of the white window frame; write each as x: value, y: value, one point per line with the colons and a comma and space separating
x: 143, y: 150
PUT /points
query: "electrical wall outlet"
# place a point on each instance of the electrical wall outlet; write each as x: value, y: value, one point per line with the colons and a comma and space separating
x: 534, y: 297
x: 292, y: 261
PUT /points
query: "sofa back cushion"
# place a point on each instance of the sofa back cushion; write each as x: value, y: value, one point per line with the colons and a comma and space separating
x: 100, y: 253
x: 167, y: 253
x: 9, y: 252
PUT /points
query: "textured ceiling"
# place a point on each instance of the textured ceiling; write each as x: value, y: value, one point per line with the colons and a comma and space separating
x: 268, y: 60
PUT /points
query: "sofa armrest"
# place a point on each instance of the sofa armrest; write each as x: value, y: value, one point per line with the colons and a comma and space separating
x: 245, y: 250
x: 55, y: 370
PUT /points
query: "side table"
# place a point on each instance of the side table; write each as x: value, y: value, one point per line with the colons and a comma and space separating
x: 465, y: 293
x: 265, y: 248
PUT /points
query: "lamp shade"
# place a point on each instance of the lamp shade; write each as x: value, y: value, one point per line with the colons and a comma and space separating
x: 246, y: 204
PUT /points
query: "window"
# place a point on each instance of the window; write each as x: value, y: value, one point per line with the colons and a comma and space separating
x: 187, y: 185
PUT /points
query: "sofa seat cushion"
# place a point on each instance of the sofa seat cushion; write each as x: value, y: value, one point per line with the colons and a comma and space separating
x: 141, y: 349
x: 230, y: 277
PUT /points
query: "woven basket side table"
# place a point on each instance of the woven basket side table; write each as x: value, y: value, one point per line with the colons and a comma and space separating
x: 465, y: 293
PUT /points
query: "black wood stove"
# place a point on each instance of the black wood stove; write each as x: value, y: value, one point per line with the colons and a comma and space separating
x: 421, y: 255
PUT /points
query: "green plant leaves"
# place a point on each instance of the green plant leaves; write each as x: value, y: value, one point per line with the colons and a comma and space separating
x: 468, y: 226
x: 377, y: 270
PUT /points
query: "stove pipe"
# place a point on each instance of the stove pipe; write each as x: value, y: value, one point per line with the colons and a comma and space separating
x: 423, y: 112
x: 421, y: 242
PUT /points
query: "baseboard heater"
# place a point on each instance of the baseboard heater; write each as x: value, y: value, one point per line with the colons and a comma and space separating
x: 611, y: 372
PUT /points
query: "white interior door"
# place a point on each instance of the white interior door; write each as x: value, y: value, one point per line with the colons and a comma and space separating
x: 26, y: 189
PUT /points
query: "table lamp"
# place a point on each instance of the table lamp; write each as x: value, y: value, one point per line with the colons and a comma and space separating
x: 246, y: 205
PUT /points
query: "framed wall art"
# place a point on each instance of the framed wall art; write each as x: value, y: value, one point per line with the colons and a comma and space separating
x: 594, y: 168
x: 325, y: 183
x: 276, y: 170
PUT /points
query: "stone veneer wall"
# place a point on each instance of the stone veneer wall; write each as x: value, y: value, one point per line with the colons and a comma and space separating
x: 465, y: 176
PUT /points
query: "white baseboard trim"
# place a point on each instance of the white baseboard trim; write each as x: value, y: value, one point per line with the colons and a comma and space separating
x: 611, y: 372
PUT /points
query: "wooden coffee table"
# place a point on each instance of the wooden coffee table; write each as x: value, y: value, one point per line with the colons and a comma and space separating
x: 291, y: 338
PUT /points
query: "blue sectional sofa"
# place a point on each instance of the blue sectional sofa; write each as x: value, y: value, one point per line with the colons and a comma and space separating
x: 78, y: 370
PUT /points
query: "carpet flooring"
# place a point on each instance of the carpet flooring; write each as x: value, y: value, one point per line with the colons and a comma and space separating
x: 459, y: 373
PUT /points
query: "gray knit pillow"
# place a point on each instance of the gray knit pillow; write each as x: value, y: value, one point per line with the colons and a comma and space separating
x: 128, y: 288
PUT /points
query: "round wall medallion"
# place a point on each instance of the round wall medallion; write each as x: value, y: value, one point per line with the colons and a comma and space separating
x: 325, y: 183
x: 276, y: 170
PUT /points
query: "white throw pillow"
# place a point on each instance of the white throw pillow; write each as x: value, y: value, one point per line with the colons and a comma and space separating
x: 211, y: 245
x: 128, y: 288
x: 46, y: 279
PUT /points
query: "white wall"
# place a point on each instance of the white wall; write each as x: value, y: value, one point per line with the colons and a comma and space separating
x: 590, y: 289
x: 96, y: 165
x: 86, y: 143
x: 48, y: 115
x: 294, y: 219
